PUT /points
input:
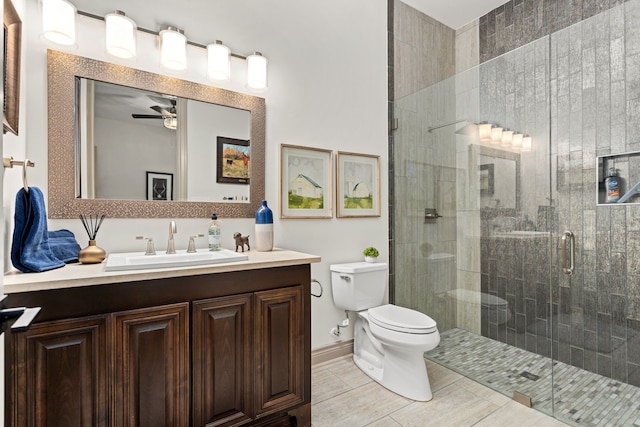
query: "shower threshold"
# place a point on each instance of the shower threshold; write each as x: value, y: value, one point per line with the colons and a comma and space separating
x: 582, y: 398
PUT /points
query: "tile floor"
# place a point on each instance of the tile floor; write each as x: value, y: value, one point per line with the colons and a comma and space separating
x: 342, y: 395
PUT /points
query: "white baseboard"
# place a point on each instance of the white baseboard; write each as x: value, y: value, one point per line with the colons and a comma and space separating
x: 330, y: 352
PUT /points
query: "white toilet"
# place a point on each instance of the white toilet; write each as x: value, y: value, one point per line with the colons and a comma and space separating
x: 389, y: 341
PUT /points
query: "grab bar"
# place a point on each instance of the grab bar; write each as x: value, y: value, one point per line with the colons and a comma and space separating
x: 568, y: 269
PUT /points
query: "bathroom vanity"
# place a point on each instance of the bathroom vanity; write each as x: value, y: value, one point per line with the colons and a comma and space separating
x: 221, y: 345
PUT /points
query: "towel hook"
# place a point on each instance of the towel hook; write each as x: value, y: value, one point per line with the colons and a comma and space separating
x: 8, y: 162
x: 24, y: 175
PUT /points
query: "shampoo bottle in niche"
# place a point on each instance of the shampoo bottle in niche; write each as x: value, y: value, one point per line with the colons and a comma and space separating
x: 214, y: 234
x: 612, y: 186
x: 264, y: 228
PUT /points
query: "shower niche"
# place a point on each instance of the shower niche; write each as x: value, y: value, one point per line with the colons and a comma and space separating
x: 618, y: 179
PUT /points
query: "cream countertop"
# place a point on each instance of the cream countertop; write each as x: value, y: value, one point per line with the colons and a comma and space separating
x: 78, y: 275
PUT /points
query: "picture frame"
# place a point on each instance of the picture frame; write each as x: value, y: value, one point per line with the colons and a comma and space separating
x: 233, y: 160
x: 358, y: 185
x: 306, y: 182
x: 11, y: 53
x: 159, y: 186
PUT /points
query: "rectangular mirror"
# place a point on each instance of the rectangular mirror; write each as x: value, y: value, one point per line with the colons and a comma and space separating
x: 122, y: 128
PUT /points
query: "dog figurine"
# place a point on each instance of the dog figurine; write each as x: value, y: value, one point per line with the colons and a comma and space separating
x: 241, y: 241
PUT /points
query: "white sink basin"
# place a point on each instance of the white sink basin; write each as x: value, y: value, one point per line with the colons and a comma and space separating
x: 140, y: 261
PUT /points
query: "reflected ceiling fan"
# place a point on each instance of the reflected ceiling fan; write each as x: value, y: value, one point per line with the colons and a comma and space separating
x: 167, y: 113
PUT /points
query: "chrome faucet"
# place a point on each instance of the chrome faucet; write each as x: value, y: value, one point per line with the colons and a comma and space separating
x: 171, y: 247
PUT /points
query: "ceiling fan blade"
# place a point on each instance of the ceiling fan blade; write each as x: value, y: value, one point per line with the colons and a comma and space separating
x: 146, y: 116
x: 161, y: 110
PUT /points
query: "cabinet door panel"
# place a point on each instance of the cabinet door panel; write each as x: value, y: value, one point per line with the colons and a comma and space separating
x: 151, y: 367
x: 60, y: 374
x: 279, y: 356
x: 222, y: 361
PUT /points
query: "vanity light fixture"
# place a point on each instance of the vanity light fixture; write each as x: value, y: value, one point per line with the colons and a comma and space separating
x: 218, y: 61
x: 516, y: 140
x: 173, y: 49
x: 496, y: 135
x: 59, y: 21
x: 484, y: 132
x: 120, y: 35
x: 507, y: 136
x: 257, y: 71
x: 526, y: 143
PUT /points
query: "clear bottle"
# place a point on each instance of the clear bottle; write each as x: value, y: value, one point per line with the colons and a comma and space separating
x: 214, y: 233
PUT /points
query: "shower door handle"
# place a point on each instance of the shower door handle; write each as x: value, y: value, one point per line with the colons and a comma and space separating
x: 569, y: 237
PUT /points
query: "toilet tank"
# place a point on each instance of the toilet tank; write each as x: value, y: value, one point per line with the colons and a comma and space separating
x: 358, y: 286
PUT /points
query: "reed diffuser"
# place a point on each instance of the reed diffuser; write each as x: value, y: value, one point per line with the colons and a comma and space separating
x: 92, y: 254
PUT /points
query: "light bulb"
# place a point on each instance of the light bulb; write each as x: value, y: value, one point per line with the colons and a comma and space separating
x: 59, y: 21
x: 120, y: 35
x: 257, y: 71
x: 218, y: 61
x: 173, y: 53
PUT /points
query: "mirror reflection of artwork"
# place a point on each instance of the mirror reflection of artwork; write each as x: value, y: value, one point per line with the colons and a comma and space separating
x: 234, y: 157
x: 486, y: 179
x: 159, y: 186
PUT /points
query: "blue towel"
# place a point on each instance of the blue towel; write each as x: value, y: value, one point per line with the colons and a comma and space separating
x: 30, y: 250
x: 64, y: 245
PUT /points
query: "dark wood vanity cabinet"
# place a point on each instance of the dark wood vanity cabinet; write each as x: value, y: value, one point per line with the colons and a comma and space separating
x: 211, y: 358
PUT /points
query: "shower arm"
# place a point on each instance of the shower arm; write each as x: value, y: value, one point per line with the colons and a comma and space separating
x: 431, y: 129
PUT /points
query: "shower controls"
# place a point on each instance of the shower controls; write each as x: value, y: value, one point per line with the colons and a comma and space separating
x: 568, y: 238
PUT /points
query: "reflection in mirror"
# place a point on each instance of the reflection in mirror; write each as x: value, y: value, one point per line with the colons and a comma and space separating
x: 190, y: 167
x: 499, y: 172
x: 152, y: 129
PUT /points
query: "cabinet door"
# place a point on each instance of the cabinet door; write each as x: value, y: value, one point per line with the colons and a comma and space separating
x: 279, y: 349
x: 60, y: 374
x: 222, y: 361
x: 151, y: 380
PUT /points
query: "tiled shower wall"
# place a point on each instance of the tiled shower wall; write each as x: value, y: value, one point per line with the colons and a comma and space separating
x: 592, y: 318
x: 519, y: 22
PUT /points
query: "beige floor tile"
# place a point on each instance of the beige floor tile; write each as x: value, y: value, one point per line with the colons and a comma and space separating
x: 451, y: 406
x: 325, y: 385
x: 487, y: 393
x: 440, y: 377
x: 358, y: 407
x: 347, y: 371
x: 384, y: 422
x: 515, y: 414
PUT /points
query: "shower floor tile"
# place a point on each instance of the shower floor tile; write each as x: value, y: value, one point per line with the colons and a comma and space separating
x: 581, y: 397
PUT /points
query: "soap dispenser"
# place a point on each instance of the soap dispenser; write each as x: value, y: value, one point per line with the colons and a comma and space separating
x: 612, y: 186
x: 214, y: 233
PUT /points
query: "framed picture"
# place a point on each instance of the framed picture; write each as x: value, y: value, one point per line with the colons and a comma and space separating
x: 11, y: 53
x: 305, y: 182
x: 159, y: 186
x: 358, y: 190
x: 487, y: 179
x: 233, y: 160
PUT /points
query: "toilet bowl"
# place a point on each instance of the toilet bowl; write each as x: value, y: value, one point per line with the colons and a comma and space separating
x: 389, y: 341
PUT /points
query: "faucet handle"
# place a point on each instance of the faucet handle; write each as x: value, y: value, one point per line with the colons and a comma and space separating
x: 192, y: 243
x: 151, y: 250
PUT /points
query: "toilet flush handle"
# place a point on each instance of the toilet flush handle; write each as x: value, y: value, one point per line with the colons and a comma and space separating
x: 345, y: 278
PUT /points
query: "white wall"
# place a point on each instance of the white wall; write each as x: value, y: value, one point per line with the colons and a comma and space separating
x: 327, y: 89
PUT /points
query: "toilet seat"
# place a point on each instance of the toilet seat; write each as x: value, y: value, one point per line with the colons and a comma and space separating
x: 402, y: 319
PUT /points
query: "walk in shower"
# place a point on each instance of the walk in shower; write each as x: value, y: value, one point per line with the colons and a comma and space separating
x: 533, y: 279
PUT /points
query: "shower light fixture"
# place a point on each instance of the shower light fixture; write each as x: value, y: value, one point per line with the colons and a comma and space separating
x: 120, y: 35
x: 218, y: 61
x: 496, y: 135
x: 173, y: 49
x: 59, y: 22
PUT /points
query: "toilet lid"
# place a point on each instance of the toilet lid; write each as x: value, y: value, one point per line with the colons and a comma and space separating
x: 402, y: 319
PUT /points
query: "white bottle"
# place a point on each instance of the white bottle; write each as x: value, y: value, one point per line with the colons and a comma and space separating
x: 214, y: 234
